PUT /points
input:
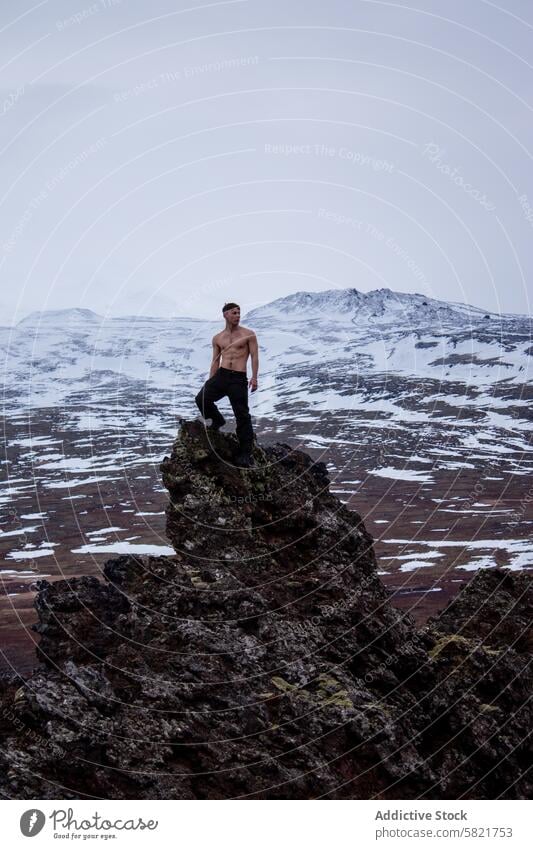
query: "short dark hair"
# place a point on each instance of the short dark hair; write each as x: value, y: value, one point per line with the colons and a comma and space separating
x: 229, y: 306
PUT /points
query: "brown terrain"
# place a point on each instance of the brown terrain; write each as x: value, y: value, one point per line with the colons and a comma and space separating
x: 481, y: 515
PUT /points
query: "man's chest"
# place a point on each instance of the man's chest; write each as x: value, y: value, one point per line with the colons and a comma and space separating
x: 234, y: 343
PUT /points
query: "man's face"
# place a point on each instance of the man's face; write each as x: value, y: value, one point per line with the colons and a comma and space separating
x: 233, y: 316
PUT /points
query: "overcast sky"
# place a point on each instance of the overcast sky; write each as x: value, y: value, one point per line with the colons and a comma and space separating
x: 161, y: 161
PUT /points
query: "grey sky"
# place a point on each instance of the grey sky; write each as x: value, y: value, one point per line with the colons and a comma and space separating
x: 161, y: 161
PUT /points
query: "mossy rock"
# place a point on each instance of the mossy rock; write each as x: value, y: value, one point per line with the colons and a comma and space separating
x: 456, y: 639
x: 281, y: 684
x: 489, y: 708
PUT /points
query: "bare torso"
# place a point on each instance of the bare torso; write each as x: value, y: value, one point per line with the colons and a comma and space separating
x: 235, y: 348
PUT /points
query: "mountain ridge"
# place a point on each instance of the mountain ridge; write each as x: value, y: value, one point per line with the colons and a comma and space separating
x: 68, y: 313
x: 349, y: 298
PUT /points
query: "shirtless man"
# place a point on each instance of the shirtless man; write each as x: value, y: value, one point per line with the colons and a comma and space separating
x: 227, y: 376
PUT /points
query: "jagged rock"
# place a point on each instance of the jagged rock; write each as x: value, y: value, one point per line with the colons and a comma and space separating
x: 265, y: 660
x: 497, y: 607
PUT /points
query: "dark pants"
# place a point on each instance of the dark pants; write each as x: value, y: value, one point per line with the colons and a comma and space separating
x: 234, y: 384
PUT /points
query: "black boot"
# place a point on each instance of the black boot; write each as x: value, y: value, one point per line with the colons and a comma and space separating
x: 244, y: 459
x: 216, y: 424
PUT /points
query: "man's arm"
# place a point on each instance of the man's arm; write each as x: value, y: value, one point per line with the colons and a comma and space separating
x: 254, y: 353
x: 217, y: 350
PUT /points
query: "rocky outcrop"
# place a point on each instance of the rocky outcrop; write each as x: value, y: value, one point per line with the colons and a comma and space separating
x: 265, y: 660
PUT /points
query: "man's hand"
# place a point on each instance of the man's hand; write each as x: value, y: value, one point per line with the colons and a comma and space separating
x: 252, y: 383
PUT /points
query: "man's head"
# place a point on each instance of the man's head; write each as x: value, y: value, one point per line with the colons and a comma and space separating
x: 232, y: 313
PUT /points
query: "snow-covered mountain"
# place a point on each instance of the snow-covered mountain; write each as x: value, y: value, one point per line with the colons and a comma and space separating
x: 73, y: 317
x: 318, y: 350
x: 366, y: 306
x: 422, y: 410
x: 335, y: 362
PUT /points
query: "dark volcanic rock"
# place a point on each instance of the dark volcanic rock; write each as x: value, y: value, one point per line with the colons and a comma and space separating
x: 264, y: 660
x: 497, y: 607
